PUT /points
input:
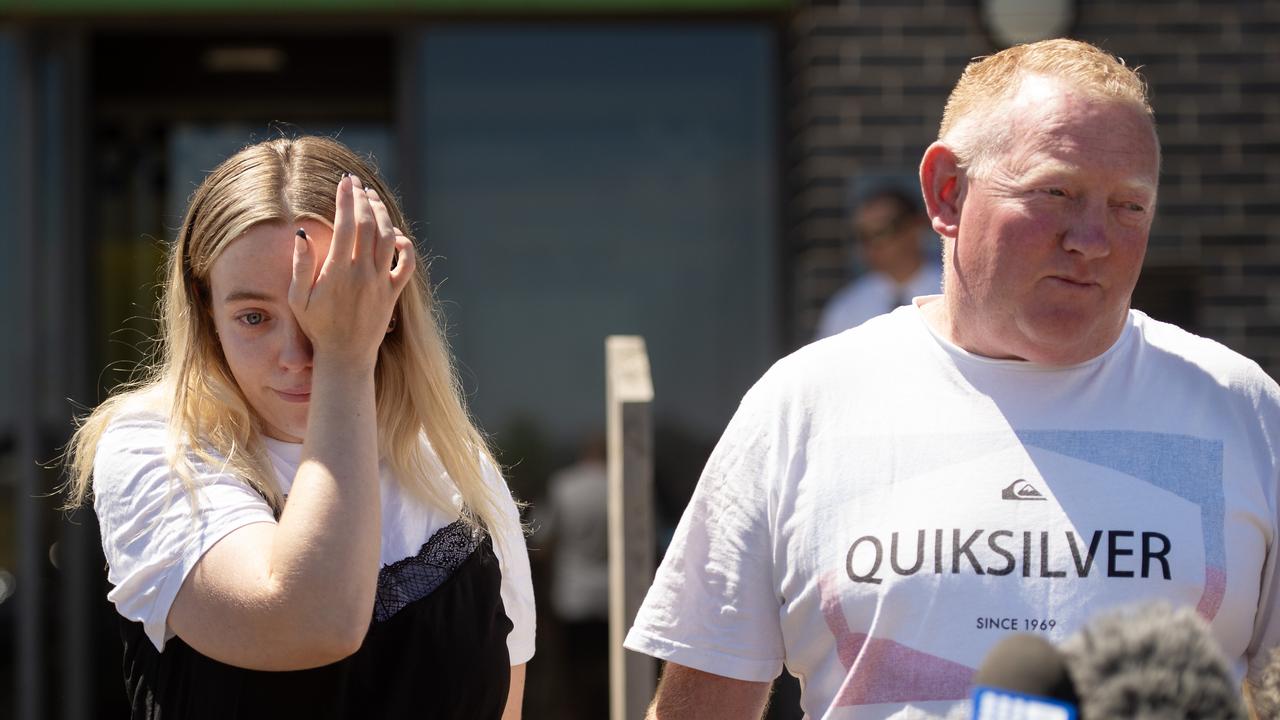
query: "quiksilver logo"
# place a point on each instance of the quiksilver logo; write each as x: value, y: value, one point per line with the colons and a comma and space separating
x: 1121, y: 553
x: 1021, y: 490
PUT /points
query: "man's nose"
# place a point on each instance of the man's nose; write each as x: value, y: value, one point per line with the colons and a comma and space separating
x: 295, y: 354
x: 1087, y: 232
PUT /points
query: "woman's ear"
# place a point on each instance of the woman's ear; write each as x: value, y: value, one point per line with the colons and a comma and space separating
x: 941, y: 182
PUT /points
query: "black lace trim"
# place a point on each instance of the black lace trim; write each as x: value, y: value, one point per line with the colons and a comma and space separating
x: 417, y: 576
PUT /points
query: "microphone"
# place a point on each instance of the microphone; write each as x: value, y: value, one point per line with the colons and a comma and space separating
x: 1151, y: 662
x: 1266, y: 696
x: 1024, y: 677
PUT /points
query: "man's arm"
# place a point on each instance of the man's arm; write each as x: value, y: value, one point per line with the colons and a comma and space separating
x: 687, y: 693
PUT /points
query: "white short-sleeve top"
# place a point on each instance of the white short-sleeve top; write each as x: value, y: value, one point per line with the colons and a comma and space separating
x: 152, y: 539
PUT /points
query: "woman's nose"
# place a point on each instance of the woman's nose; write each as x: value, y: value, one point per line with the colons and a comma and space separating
x: 296, y: 351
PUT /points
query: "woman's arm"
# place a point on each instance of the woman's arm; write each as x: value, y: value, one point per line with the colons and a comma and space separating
x: 515, y: 694
x: 300, y: 593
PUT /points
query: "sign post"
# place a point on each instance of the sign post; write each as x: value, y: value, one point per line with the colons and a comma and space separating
x: 629, y: 416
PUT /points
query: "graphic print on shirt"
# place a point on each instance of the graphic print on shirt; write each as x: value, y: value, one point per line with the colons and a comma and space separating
x: 1031, y: 531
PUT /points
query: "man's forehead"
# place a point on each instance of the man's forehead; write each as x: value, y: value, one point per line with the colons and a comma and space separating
x: 1044, y: 96
x: 1055, y: 126
x: 1137, y: 179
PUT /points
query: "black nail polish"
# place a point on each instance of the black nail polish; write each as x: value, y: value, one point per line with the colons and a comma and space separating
x: 346, y: 174
x: 302, y: 233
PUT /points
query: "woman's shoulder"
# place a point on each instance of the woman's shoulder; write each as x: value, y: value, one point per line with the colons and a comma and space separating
x: 139, y: 447
x: 140, y: 413
x: 137, y: 426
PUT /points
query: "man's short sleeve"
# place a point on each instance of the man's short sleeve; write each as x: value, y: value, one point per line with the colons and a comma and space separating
x: 1266, y: 633
x: 1267, y: 627
x: 714, y: 604
x: 150, y: 536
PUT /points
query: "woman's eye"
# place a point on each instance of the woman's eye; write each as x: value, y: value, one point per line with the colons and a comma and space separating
x: 1057, y: 192
x: 253, y: 318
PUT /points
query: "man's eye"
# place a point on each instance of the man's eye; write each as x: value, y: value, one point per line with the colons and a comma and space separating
x: 1131, y: 207
x: 1056, y: 192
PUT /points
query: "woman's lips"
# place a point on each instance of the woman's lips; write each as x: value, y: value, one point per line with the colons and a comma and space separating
x: 293, y: 396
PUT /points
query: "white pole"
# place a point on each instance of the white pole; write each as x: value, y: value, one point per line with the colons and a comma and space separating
x: 629, y: 416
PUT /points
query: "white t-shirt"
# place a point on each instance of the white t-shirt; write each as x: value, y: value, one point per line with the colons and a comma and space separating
x: 885, y: 506
x: 151, y: 540
x: 872, y: 294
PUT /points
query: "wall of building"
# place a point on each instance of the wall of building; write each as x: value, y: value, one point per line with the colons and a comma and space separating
x: 869, y: 79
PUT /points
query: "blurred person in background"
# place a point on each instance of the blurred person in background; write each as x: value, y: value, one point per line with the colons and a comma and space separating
x: 298, y: 516
x: 1019, y: 453
x: 887, y: 228
x: 574, y: 523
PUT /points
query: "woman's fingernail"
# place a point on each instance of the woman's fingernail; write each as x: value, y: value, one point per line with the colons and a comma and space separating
x: 302, y: 233
x: 345, y: 173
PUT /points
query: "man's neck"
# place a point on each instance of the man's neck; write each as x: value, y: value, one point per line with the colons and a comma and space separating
x: 940, y: 315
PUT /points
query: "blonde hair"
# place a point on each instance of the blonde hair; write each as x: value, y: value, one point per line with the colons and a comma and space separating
x: 968, y: 122
x: 417, y: 392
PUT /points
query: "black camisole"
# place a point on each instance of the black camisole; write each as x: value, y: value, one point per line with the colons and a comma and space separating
x: 436, y: 648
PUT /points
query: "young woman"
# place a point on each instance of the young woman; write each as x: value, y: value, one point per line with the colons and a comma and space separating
x: 298, y: 516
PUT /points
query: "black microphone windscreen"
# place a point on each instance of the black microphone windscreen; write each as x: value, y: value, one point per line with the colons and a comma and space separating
x: 1030, y: 665
x: 1151, y: 662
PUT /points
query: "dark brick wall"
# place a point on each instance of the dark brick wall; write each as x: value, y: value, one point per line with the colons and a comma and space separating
x: 868, y: 79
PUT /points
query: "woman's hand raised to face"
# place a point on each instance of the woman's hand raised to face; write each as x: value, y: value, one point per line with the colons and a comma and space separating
x: 344, y: 308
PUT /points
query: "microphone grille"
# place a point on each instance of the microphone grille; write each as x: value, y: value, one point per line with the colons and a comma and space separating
x: 1151, y: 662
x: 1266, y: 697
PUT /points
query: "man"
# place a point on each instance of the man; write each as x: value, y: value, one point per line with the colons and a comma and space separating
x: 1017, y: 454
x: 886, y: 228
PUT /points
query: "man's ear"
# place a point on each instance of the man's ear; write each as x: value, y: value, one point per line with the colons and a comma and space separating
x: 941, y: 181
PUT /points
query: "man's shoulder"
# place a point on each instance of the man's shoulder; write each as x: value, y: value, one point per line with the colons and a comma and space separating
x: 1195, y: 355
x: 849, y: 354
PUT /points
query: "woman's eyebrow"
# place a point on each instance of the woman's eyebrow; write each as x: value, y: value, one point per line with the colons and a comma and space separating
x: 237, y: 295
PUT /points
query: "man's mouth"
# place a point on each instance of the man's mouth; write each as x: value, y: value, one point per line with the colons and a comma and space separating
x: 1074, y: 281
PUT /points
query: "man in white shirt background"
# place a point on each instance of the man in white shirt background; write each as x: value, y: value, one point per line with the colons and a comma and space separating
x: 887, y: 229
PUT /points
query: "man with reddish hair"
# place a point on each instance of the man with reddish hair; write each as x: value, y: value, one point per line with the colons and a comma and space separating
x: 1016, y: 454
